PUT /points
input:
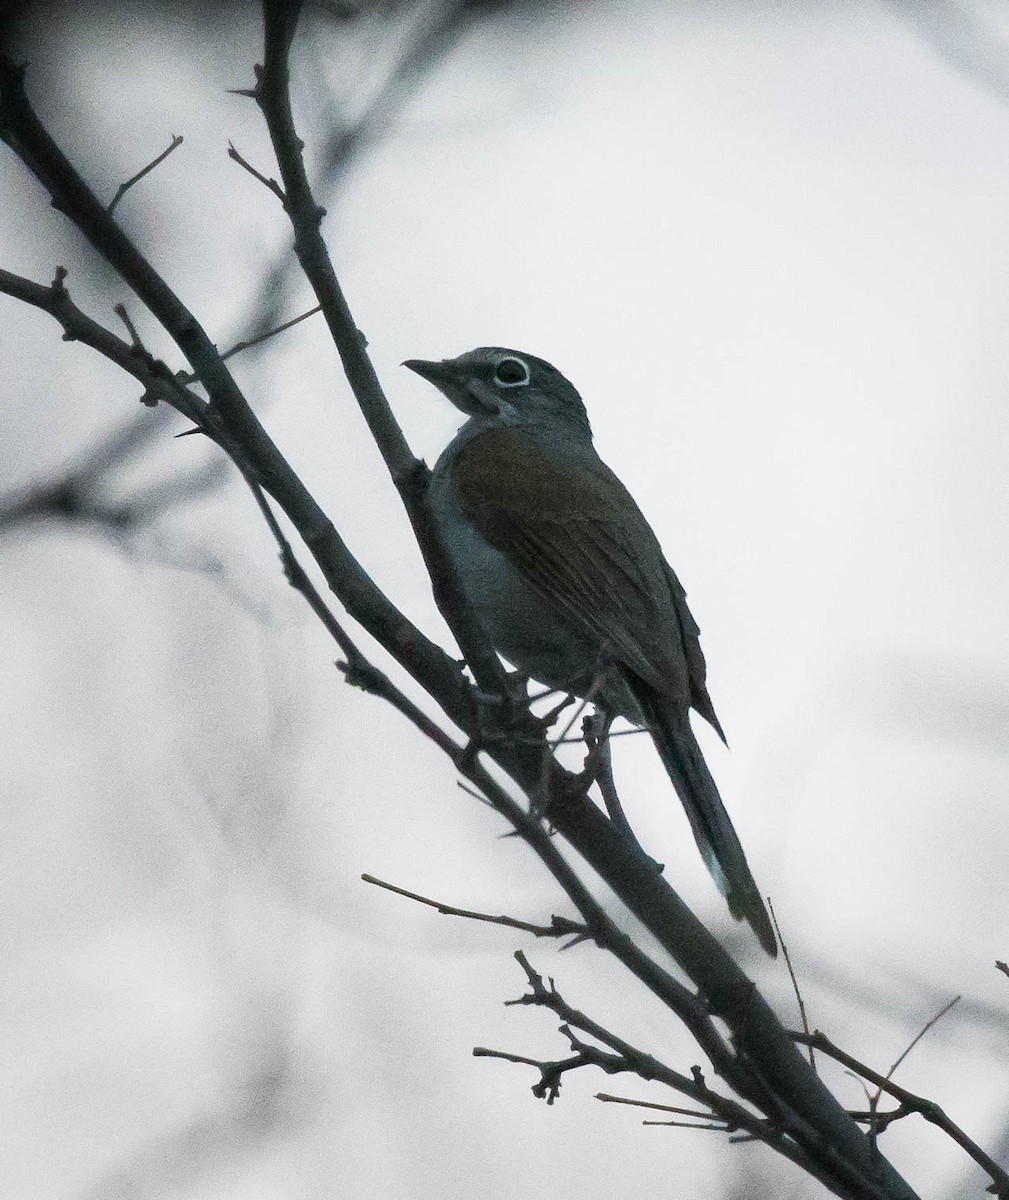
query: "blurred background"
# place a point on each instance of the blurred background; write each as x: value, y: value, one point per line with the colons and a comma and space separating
x: 768, y: 243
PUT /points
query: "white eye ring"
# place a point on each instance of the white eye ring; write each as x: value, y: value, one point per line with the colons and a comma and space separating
x: 510, y: 383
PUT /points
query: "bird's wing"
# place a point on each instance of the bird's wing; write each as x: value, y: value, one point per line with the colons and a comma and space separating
x: 696, y: 666
x: 568, y: 524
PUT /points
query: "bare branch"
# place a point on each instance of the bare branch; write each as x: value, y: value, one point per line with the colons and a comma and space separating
x: 801, y: 1119
x: 926, y: 1108
x: 159, y: 383
x: 688, y: 1125
x: 234, y: 419
x: 408, y: 474
x: 428, y: 41
x: 622, y: 1057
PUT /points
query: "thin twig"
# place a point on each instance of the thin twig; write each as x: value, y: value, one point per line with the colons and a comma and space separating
x: 917, y: 1038
x: 270, y: 184
x: 878, y: 1120
x: 463, y: 786
x: 131, y: 329
x: 650, y: 1104
x: 615, y: 733
x: 791, y: 975
x: 687, y: 1125
x: 548, y: 1086
x: 175, y: 143
x: 238, y: 347
x: 558, y: 927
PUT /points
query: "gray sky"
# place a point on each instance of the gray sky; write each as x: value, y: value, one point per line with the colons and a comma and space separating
x: 768, y: 244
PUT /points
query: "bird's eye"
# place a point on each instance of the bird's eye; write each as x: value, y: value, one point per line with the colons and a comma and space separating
x: 511, y: 372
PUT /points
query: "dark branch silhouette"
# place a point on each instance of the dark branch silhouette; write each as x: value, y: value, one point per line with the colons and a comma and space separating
x: 782, y: 1101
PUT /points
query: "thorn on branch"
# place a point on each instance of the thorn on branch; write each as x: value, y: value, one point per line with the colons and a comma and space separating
x: 359, y: 673
x: 471, y: 791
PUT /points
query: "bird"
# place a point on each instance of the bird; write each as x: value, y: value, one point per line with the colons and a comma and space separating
x: 569, y: 582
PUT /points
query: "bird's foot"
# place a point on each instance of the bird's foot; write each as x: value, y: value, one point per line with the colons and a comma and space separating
x: 508, y: 717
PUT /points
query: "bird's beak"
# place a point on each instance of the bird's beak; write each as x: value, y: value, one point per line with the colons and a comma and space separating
x: 440, y: 374
x: 470, y: 396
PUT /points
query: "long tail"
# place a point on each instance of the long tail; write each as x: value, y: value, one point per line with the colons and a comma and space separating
x: 716, y: 839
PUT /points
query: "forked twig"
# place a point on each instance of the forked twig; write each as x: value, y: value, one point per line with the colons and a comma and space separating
x: 931, y: 1111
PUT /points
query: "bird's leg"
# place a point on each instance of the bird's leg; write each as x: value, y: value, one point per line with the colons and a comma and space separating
x: 599, y: 761
x: 517, y: 691
x: 550, y: 718
x: 513, y: 708
x: 599, y: 765
x: 504, y: 716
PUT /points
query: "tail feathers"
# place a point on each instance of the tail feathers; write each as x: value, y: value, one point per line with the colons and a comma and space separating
x: 716, y: 839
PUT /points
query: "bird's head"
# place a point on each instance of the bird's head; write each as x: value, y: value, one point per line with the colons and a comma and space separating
x: 506, y: 387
